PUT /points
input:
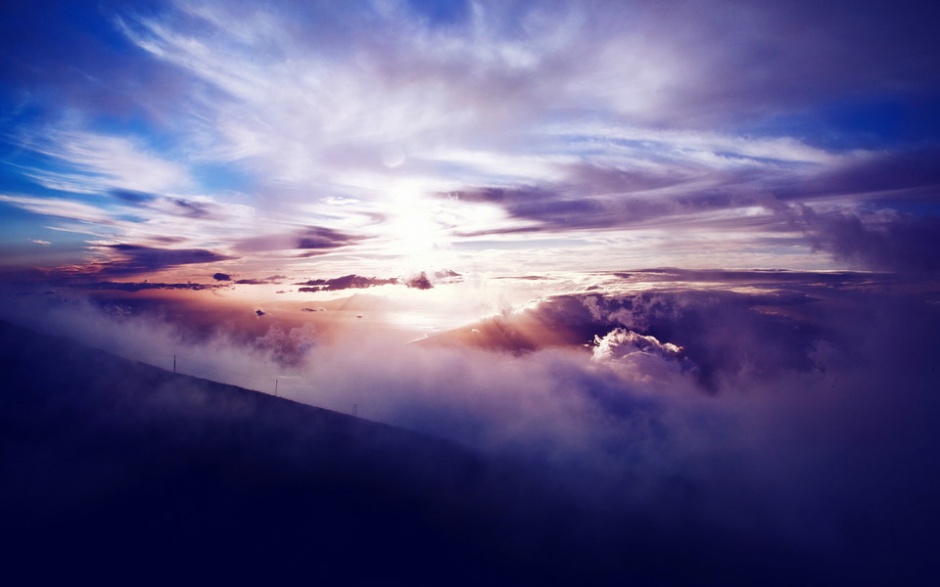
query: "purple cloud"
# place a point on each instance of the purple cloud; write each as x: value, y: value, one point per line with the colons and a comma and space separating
x: 143, y: 286
x: 135, y: 259
x: 319, y: 237
x: 344, y: 282
x: 314, y: 239
x: 884, y: 241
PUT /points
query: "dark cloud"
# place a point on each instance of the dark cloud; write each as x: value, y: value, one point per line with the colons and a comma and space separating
x: 318, y: 237
x: 884, y: 240
x: 576, y: 206
x: 601, y: 198
x: 904, y: 175
x: 133, y: 196
x: 722, y: 333
x: 755, y: 277
x: 133, y: 287
x: 176, y: 206
x: 313, y: 239
x: 344, y: 282
x: 274, y: 279
x: 190, y: 209
x: 135, y: 259
x: 553, y: 208
x: 419, y: 281
x: 128, y: 260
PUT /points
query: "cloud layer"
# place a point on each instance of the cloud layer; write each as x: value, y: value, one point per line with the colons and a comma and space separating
x: 791, y: 409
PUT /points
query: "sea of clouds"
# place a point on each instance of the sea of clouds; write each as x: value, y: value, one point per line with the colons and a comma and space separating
x: 806, y: 415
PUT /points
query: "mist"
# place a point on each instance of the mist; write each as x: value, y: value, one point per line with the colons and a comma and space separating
x: 803, y: 416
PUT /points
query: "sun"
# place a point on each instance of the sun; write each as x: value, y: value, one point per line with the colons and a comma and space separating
x: 414, y: 229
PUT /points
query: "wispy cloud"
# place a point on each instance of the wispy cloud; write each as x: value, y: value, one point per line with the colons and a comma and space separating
x: 60, y: 207
x: 413, y: 137
x: 91, y: 163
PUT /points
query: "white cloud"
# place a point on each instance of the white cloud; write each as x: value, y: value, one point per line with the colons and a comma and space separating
x: 95, y: 163
x: 61, y: 208
x: 639, y: 357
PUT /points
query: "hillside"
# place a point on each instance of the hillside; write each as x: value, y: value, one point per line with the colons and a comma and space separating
x: 123, y: 472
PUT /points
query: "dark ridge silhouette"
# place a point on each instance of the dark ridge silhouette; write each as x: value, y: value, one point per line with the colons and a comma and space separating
x: 119, y: 472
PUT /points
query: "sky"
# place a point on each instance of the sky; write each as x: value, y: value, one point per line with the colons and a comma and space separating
x: 392, y: 137
x: 641, y: 241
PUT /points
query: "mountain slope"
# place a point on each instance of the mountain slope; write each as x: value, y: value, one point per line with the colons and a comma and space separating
x: 111, y: 464
x: 124, y: 472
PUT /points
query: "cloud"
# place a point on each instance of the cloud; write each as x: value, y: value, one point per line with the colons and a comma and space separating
x: 620, y: 343
x: 135, y: 287
x: 313, y: 238
x: 770, y: 328
x: 884, y: 240
x: 133, y: 197
x: 641, y: 356
x: 819, y: 410
x: 901, y: 176
x: 319, y: 237
x: 634, y: 178
x: 391, y: 139
x: 397, y: 132
x: 127, y: 259
x: 773, y: 278
x: 344, y: 282
x: 419, y: 281
x: 96, y: 163
x: 637, y: 173
x: 61, y: 208
x: 273, y: 279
